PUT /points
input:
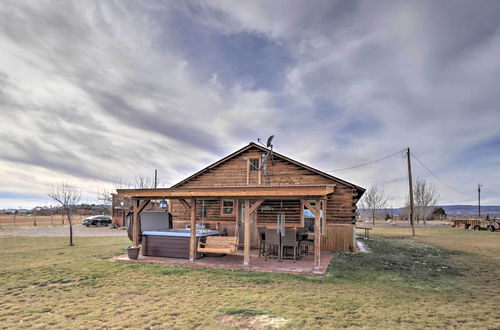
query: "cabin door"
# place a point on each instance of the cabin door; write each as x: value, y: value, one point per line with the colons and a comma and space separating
x: 241, y: 222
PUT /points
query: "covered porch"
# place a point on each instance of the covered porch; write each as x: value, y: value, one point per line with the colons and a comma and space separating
x: 251, y: 197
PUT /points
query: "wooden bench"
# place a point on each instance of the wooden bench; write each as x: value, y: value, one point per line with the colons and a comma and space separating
x: 219, y: 244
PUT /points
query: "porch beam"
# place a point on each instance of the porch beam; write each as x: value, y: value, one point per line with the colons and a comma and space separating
x: 192, y: 237
x: 317, y: 238
x: 143, y: 205
x: 311, y: 208
x: 241, y: 191
x: 255, y: 206
x: 185, y: 204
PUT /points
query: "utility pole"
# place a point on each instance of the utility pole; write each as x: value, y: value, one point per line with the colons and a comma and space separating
x: 410, y: 183
x: 479, y: 199
x: 156, y: 178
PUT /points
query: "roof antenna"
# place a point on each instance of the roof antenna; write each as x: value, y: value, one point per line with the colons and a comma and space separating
x: 265, y: 157
x: 258, y: 140
x: 270, y: 141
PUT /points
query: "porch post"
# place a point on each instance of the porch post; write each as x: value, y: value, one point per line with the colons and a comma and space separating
x: 246, y: 252
x: 138, y: 207
x: 192, y: 238
x: 135, y: 222
x: 317, y: 236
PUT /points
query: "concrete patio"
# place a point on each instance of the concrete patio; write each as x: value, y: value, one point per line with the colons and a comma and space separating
x: 303, y: 266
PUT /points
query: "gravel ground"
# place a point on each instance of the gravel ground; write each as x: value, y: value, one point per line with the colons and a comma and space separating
x: 63, y: 231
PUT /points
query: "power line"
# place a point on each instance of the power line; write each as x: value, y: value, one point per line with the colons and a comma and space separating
x: 434, y: 175
x: 368, y: 163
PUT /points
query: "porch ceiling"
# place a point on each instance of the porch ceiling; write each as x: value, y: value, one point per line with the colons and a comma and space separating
x: 263, y: 191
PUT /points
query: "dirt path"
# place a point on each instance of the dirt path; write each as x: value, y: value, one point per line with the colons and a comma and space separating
x: 62, y: 231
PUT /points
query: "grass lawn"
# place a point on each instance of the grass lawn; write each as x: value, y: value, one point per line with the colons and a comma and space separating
x: 445, y: 277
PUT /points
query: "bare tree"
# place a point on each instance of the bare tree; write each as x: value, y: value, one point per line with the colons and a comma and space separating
x: 67, y: 196
x: 404, y: 212
x: 105, y: 195
x: 141, y: 181
x: 373, y: 200
x: 426, y: 198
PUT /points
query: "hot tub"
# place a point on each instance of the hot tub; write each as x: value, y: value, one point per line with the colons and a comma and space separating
x: 173, y: 243
x: 181, y: 232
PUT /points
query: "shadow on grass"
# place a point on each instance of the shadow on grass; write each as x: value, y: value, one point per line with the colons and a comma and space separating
x: 400, y: 262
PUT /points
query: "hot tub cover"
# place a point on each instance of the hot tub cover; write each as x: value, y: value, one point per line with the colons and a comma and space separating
x: 180, y: 233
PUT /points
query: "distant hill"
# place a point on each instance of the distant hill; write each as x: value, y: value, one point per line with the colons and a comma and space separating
x: 456, y: 210
x: 460, y: 210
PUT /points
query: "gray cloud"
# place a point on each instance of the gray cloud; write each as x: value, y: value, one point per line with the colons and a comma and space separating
x: 94, y: 91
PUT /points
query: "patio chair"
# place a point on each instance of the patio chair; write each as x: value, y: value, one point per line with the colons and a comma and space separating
x: 262, y: 240
x: 272, y: 245
x: 305, y: 245
x: 289, y: 241
x: 301, y: 229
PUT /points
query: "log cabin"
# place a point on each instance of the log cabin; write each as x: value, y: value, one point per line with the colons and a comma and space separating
x: 235, y: 196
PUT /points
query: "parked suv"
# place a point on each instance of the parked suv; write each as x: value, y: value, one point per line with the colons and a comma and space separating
x: 97, y: 220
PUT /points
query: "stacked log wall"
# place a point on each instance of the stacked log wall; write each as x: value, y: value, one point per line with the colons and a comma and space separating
x: 267, y: 214
x: 340, y: 206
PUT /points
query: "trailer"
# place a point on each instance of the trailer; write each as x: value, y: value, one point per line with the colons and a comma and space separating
x: 477, y: 224
x: 489, y: 225
x: 465, y: 223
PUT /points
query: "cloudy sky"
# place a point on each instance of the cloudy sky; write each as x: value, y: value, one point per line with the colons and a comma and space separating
x: 95, y: 91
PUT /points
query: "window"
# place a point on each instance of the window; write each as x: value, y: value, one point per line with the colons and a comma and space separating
x: 227, y: 207
x: 254, y: 164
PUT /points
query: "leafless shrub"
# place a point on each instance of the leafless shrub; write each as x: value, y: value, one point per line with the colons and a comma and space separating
x: 143, y: 182
x: 426, y: 198
x: 373, y: 200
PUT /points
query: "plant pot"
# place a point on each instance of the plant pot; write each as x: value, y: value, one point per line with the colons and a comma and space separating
x: 133, y: 252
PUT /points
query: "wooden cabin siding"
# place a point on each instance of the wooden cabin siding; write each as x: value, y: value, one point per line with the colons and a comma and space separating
x: 231, y: 173
x: 340, y: 206
x: 338, y: 238
x: 267, y: 213
x: 181, y: 215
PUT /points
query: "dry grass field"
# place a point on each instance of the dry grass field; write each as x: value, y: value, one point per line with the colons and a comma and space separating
x: 444, y: 278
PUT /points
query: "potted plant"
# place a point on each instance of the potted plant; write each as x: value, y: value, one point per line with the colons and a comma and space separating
x: 133, y: 252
